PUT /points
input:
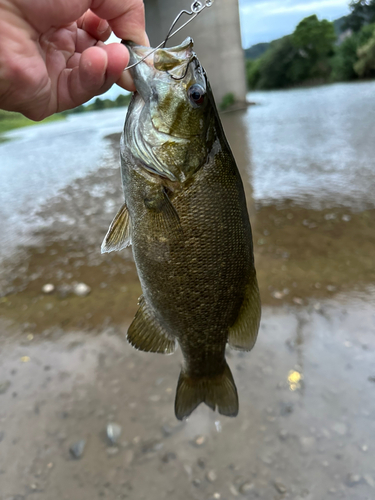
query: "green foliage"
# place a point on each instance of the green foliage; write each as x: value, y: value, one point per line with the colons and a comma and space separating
x: 362, y: 13
x: 227, y: 101
x: 10, y: 120
x: 275, y: 66
x: 256, y: 50
x: 311, y: 54
x: 99, y: 104
x: 365, y: 66
x: 344, y: 59
x: 252, y: 73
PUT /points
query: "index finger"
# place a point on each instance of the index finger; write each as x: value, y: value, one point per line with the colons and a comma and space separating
x: 126, y: 18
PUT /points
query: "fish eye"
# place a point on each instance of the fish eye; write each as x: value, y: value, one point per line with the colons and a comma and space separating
x: 196, y: 94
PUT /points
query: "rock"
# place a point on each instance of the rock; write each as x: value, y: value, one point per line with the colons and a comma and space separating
x: 114, y: 432
x: 196, y: 482
x: 353, y: 479
x: 168, y: 457
x: 346, y: 218
x: 81, y: 289
x: 112, y: 450
x: 371, y: 378
x: 233, y: 490
x: 283, y: 434
x: 369, y: 480
x: 4, y: 386
x: 199, y: 441
x: 48, y: 288
x: 286, y: 408
x: 280, y: 487
x: 340, y: 428
x: 307, y: 444
x: 201, y: 462
x: 211, y: 476
x: 246, y: 487
x: 77, y: 449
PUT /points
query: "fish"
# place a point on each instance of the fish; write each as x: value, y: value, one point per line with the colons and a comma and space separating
x: 185, y: 217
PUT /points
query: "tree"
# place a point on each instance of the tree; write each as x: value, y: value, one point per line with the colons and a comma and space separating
x: 365, y: 66
x: 344, y: 59
x: 362, y: 13
x: 314, y: 39
x: 274, y: 67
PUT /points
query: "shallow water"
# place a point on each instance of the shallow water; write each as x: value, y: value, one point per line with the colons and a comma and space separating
x: 306, y: 423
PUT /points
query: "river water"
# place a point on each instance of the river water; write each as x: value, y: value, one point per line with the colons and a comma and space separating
x: 307, y: 409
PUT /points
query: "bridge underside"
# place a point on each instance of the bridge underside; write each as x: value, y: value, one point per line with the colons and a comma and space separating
x: 217, y: 40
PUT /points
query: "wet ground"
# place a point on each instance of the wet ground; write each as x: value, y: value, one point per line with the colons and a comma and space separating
x: 307, y: 392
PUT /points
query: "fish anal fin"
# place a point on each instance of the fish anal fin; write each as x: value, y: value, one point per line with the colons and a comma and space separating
x: 146, y: 334
x: 243, y: 334
x: 119, y: 232
x: 219, y: 391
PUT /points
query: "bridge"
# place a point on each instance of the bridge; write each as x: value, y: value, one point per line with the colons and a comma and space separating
x: 217, y: 40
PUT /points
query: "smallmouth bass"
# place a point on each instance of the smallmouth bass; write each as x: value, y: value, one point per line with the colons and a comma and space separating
x: 186, y: 218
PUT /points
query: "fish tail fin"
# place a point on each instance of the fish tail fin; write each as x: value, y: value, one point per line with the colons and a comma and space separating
x: 219, y: 391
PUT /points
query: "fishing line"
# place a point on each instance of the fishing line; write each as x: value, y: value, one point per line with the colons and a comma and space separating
x: 196, y: 8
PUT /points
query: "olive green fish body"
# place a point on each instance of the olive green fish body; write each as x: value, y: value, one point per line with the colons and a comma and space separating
x: 190, y: 233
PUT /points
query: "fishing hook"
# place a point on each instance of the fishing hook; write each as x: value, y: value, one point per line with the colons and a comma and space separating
x: 196, y: 8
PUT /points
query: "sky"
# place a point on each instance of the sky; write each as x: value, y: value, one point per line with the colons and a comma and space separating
x: 267, y: 20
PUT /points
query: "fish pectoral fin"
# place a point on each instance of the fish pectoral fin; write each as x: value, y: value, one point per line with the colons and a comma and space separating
x: 166, y: 220
x: 146, y: 334
x: 244, y: 332
x: 215, y: 391
x: 119, y: 232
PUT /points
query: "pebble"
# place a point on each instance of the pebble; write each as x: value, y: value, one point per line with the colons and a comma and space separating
x: 81, y: 289
x: 233, y: 490
x: 283, y: 434
x: 201, y: 463
x: 246, y: 487
x: 48, y: 288
x: 4, y: 386
x: 340, y: 428
x: 346, y: 218
x: 353, y: 479
x: 114, y: 432
x: 77, y: 449
x: 369, y: 480
x: 286, y: 408
x: 168, y: 457
x: 211, y: 476
x: 113, y: 450
x: 196, y: 482
x: 307, y: 444
x: 199, y: 441
x: 280, y: 487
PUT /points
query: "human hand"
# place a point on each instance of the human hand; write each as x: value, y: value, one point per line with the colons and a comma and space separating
x: 52, y: 55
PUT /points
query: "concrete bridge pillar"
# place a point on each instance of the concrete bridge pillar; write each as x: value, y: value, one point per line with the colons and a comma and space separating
x: 217, y: 40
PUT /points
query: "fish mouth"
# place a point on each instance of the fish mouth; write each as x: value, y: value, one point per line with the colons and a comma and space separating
x: 161, y: 63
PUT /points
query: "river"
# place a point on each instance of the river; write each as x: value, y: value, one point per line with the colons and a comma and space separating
x: 306, y: 425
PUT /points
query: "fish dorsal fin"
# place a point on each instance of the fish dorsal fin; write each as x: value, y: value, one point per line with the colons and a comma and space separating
x: 146, y: 334
x: 119, y: 232
x: 244, y: 332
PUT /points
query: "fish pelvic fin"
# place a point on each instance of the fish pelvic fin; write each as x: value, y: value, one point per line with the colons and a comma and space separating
x: 146, y: 334
x: 219, y: 391
x: 243, y: 334
x: 119, y: 232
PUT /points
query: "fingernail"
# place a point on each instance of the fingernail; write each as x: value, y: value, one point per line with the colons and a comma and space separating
x: 102, y: 26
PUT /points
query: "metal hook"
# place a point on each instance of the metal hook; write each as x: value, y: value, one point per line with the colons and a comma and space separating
x: 196, y: 8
